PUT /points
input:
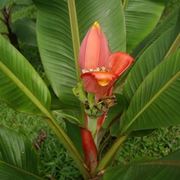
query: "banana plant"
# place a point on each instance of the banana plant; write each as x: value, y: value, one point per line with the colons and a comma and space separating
x: 112, y: 68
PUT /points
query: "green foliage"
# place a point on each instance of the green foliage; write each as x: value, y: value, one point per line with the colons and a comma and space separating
x: 161, y: 44
x: 166, y: 168
x: 25, y: 31
x: 54, y: 161
x: 157, y: 144
x: 141, y: 17
x: 17, y: 157
x: 151, y: 88
x: 154, y: 103
x: 18, y: 87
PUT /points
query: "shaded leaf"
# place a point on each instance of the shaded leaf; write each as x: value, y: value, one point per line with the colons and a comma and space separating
x: 25, y: 31
x: 18, y: 159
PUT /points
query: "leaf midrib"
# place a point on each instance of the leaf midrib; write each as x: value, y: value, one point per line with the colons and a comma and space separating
x: 152, y: 100
x: 23, y: 88
x: 20, y: 170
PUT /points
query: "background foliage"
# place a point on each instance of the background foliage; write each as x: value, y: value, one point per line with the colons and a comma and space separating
x: 54, y: 161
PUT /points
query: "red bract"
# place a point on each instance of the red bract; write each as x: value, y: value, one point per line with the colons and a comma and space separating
x: 89, y: 149
x: 100, y: 68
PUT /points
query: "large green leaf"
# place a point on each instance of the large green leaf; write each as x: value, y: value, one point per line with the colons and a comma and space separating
x: 55, y: 39
x: 20, y: 84
x: 22, y: 87
x: 18, y: 159
x: 153, y: 54
x: 156, y: 101
x: 166, y: 23
x: 141, y: 17
x: 166, y: 168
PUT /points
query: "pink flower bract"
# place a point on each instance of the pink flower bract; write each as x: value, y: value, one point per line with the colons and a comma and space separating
x: 100, y: 68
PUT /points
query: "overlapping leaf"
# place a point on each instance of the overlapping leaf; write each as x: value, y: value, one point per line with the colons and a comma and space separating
x: 156, y: 101
x: 153, y: 54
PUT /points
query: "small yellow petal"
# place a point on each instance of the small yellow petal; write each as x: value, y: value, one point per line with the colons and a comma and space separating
x: 103, y: 82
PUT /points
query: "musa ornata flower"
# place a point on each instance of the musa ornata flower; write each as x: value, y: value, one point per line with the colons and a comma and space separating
x: 99, y: 67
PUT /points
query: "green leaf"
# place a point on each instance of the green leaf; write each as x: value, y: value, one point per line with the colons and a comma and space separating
x: 25, y: 31
x: 20, y: 85
x: 152, y: 55
x: 166, y: 23
x: 165, y: 168
x: 70, y: 115
x: 55, y: 38
x: 74, y: 133
x: 18, y: 159
x: 141, y: 17
x: 155, y: 103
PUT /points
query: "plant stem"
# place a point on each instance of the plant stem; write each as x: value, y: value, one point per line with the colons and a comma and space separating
x: 75, y: 40
x: 106, y: 160
x: 75, y: 33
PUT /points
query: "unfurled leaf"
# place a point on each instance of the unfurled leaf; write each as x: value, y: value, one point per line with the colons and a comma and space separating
x: 156, y: 101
